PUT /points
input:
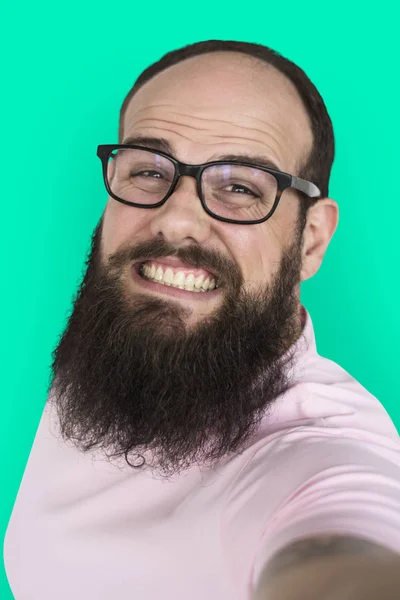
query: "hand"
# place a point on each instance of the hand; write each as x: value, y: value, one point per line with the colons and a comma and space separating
x: 340, y: 578
x: 381, y: 582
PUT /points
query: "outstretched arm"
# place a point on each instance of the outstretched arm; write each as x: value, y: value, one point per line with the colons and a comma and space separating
x: 331, y: 567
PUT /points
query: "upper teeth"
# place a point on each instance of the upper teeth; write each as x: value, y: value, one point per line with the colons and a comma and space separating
x: 176, y: 278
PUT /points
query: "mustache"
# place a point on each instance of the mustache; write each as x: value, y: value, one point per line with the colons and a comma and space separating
x: 226, y: 270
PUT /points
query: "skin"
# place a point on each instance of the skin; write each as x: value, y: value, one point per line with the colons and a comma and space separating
x: 263, y: 116
x: 171, y: 376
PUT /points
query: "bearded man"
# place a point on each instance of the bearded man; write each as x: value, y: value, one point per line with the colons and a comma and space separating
x: 194, y: 444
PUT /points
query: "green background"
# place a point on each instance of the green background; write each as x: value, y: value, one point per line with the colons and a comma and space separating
x: 65, y: 71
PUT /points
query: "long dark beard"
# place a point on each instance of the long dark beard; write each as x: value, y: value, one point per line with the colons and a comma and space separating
x: 133, y: 380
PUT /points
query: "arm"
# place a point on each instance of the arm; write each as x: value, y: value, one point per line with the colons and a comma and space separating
x: 331, y: 567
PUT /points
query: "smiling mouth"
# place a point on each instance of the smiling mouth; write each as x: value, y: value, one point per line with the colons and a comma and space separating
x: 191, y: 280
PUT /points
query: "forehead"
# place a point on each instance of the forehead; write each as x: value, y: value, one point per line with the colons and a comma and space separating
x: 219, y: 103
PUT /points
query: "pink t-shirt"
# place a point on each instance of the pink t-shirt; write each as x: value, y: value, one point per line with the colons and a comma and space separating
x: 325, y: 460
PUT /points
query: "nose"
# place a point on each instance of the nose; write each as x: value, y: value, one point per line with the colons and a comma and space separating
x: 182, y: 218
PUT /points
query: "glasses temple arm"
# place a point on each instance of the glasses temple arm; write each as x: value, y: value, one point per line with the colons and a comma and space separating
x: 308, y: 188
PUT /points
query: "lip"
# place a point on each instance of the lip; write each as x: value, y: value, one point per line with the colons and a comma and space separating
x: 169, y: 290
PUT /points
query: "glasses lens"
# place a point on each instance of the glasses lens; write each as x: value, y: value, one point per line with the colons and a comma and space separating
x: 139, y: 176
x: 239, y: 193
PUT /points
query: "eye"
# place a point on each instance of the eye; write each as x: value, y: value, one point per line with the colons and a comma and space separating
x: 239, y: 188
x: 148, y: 174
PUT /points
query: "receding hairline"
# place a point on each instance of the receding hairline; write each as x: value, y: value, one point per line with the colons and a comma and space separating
x: 242, y: 57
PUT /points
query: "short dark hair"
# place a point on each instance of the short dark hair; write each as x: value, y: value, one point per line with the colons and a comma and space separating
x: 317, y: 166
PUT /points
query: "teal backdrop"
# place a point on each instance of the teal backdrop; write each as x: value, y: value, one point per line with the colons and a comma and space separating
x: 65, y: 70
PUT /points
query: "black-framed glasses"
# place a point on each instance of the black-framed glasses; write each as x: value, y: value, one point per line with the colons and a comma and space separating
x: 230, y: 191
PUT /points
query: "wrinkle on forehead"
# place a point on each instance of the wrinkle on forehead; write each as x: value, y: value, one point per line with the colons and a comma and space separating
x: 222, y: 114
x: 215, y: 132
x: 241, y: 144
x: 200, y: 118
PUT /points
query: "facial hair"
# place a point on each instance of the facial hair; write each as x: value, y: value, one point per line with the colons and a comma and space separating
x: 131, y: 379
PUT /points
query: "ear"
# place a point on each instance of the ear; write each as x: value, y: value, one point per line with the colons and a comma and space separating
x: 322, y: 220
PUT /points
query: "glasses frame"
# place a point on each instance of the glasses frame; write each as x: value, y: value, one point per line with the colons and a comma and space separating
x: 284, y: 180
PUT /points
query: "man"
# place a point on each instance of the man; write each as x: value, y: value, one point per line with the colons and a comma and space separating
x: 194, y: 443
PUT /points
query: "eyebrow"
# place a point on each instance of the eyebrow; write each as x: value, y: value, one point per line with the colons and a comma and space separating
x: 251, y: 158
x: 163, y: 145
x: 151, y: 143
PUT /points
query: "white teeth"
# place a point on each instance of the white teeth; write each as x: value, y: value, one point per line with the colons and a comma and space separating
x: 168, y: 276
x: 189, y: 283
x: 178, y: 279
x: 198, y: 282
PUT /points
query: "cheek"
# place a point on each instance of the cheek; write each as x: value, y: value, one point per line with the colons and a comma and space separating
x: 258, y: 255
x: 123, y: 225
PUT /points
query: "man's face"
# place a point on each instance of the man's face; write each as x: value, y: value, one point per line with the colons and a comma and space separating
x: 168, y: 374
x: 205, y: 108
